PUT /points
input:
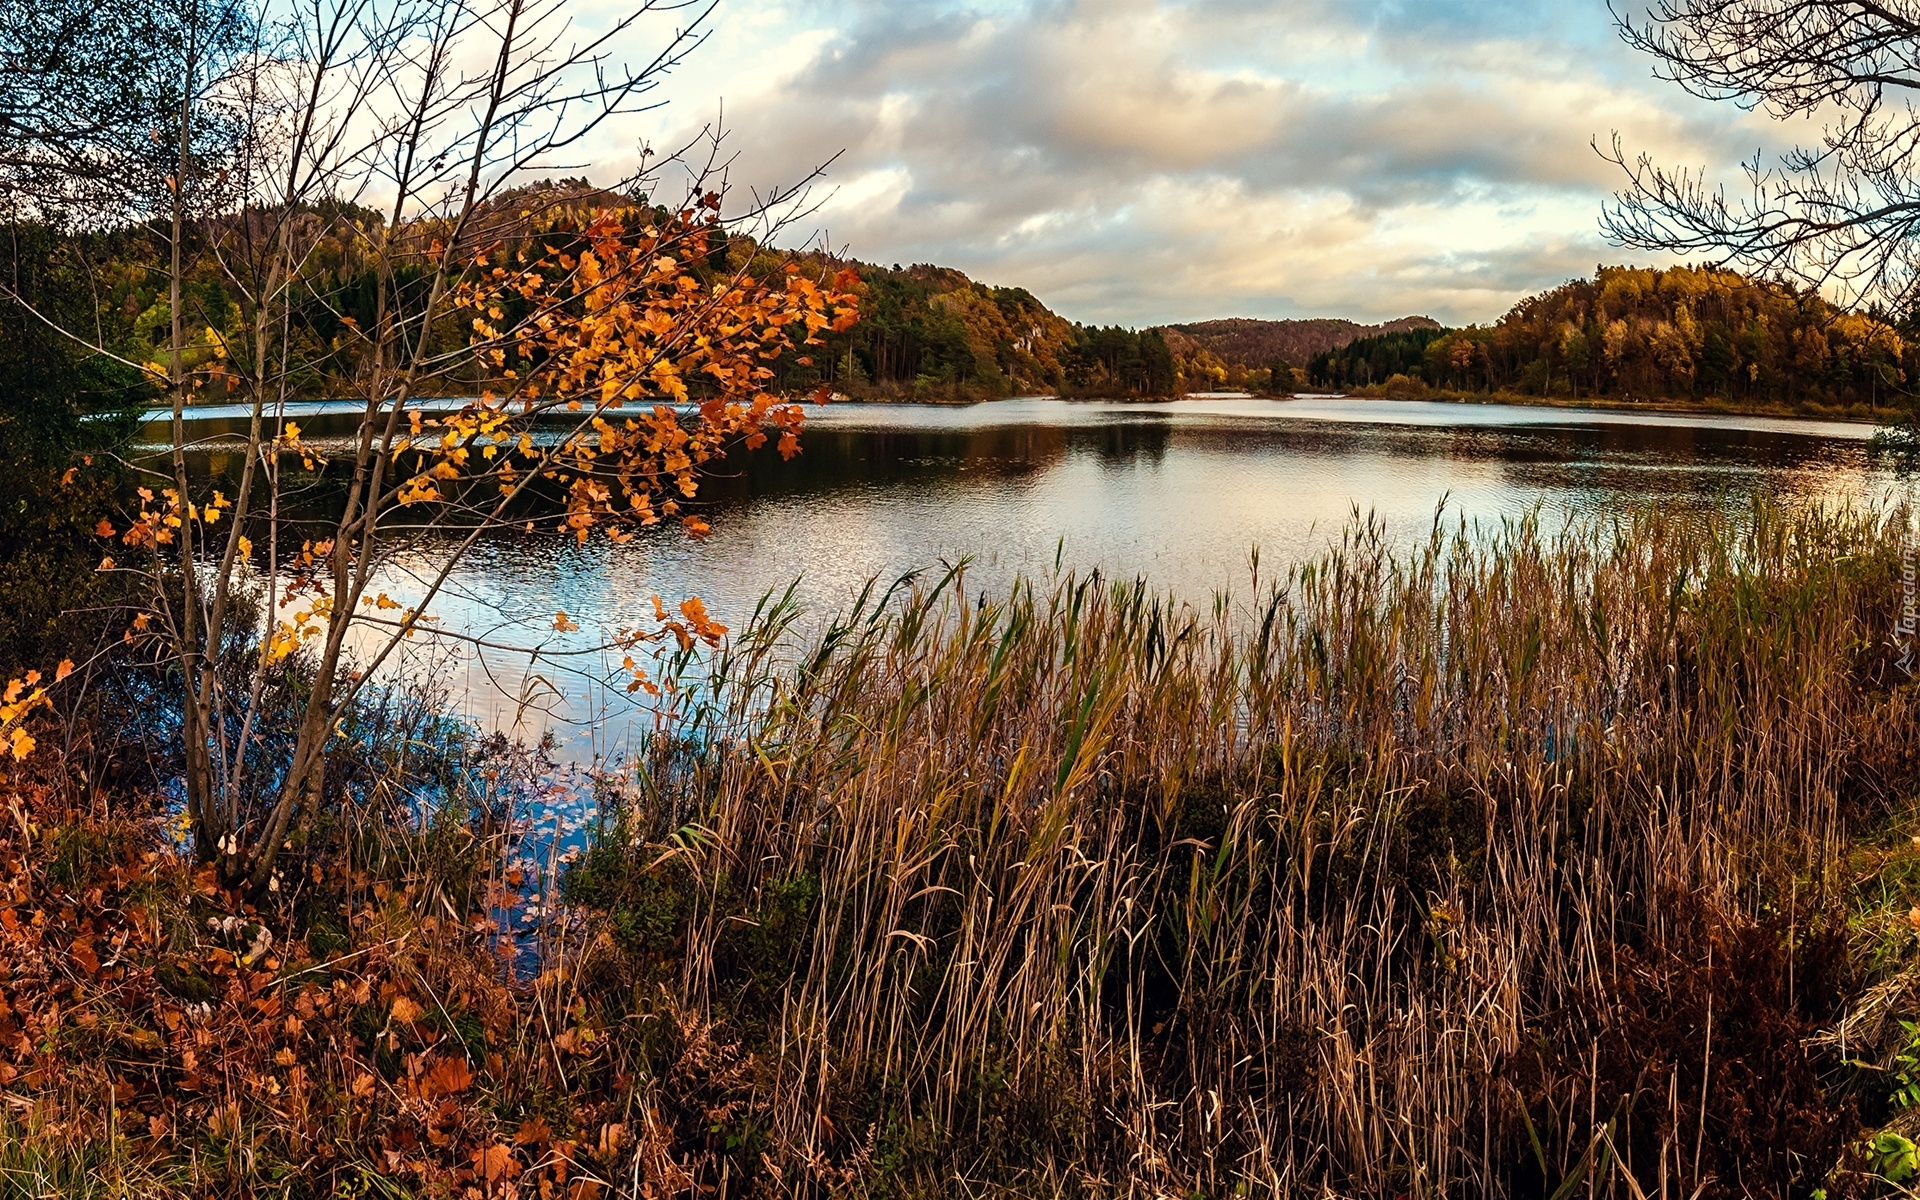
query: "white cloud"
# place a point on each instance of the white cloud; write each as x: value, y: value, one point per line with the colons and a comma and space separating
x: 1147, y: 160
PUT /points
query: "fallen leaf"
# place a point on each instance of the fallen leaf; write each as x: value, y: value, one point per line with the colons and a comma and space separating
x: 534, y: 1131
x: 491, y: 1162
x: 447, y: 1077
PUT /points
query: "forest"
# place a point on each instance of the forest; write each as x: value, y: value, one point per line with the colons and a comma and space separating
x: 925, y: 332
x: 931, y: 333
x: 1687, y: 334
x: 1629, y: 334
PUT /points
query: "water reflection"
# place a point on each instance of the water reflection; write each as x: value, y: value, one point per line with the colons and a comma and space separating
x: 1178, y: 493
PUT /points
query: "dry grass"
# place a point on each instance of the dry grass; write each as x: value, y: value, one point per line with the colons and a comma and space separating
x: 1409, y: 879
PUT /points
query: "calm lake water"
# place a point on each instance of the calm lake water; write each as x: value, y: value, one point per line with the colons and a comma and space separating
x: 1177, y: 492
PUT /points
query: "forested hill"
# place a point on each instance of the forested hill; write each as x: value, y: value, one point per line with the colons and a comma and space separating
x: 1684, y: 334
x: 928, y: 332
x: 1687, y: 334
x: 1247, y: 342
x: 931, y: 332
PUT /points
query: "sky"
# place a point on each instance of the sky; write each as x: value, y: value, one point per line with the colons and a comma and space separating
x: 1154, y: 161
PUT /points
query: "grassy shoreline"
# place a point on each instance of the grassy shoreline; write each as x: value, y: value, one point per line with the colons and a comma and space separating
x: 1499, y: 867
x: 1857, y: 414
x: 1862, y: 414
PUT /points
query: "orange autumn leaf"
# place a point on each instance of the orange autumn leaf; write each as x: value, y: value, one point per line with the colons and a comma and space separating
x: 534, y: 1131
x: 491, y: 1162
x: 447, y: 1077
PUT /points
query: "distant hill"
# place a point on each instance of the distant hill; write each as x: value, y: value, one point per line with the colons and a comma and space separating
x: 1256, y: 343
x: 931, y: 332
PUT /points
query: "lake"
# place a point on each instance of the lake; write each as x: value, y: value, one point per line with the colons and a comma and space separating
x: 1178, y: 492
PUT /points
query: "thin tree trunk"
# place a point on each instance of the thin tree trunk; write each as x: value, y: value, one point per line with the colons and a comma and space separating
x: 201, y: 805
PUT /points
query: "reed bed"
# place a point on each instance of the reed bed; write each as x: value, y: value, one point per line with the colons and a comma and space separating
x: 1511, y: 864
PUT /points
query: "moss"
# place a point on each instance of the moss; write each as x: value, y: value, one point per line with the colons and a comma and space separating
x: 184, y: 981
x: 81, y: 851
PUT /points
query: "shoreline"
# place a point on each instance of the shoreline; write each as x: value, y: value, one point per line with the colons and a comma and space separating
x: 1850, y: 413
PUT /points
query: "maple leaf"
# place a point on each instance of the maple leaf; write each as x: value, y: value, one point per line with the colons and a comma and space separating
x: 534, y: 1131
x: 447, y: 1077
x: 491, y: 1162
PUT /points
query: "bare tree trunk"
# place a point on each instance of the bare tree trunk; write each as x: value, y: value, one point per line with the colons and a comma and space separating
x: 201, y: 805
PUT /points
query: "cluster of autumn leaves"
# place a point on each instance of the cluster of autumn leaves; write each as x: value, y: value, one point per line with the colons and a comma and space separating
x: 19, y: 701
x: 668, y: 369
x: 141, y: 1000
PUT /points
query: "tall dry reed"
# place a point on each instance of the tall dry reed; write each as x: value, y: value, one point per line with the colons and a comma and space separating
x: 1498, y: 866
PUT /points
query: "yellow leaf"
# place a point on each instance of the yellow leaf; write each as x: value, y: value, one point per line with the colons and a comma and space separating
x: 561, y: 623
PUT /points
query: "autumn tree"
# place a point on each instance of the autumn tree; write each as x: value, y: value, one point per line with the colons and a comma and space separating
x: 615, y: 349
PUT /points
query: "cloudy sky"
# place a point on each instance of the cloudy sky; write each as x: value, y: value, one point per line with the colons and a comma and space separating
x: 1148, y: 161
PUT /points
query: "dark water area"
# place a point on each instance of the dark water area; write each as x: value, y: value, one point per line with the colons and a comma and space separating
x: 1179, y: 493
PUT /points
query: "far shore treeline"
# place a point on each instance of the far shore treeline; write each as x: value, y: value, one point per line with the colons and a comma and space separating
x: 1683, y: 334
x: 1680, y: 335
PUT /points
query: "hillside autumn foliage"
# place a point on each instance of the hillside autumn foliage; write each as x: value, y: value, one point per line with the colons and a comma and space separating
x: 1684, y: 333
